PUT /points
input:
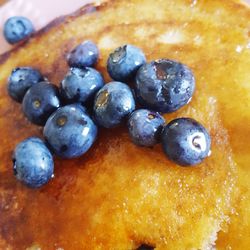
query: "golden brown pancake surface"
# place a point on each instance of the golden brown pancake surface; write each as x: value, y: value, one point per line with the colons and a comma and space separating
x: 118, y: 195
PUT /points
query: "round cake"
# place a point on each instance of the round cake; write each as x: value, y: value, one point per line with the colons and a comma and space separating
x: 120, y: 196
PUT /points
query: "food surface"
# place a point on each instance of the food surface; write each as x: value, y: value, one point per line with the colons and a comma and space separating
x: 118, y: 195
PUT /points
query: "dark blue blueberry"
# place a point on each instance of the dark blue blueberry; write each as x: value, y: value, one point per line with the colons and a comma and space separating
x: 145, y: 247
x: 185, y: 141
x: 113, y: 103
x: 33, y: 163
x: 20, y: 80
x: 84, y: 55
x: 145, y: 127
x: 70, y: 132
x: 17, y: 28
x: 80, y: 85
x: 124, y: 62
x: 40, y: 101
x: 164, y: 85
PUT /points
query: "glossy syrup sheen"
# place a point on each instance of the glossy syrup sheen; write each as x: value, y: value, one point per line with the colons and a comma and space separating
x: 118, y: 195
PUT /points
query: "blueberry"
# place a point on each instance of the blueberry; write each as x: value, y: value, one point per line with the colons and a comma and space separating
x: 70, y: 132
x: 80, y: 85
x: 164, y: 85
x: 32, y: 162
x: 17, y: 28
x: 185, y: 141
x: 112, y: 104
x: 145, y: 247
x: 20, y: 80
x: 145, y: 127
x: 124, y: 62
x: 40, y: 101
x: 84, y: 55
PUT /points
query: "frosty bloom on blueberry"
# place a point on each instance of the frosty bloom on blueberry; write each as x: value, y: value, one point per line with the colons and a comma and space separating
x: 33, y: 162
x: 84, y: 55
x: 145, y: 127
x: 185, y: 141
x: 113, y: 103
x: 80, y: 85
x: 164, y: 85
x: 124, y: 62
x: 17, y: 28
x: 40, y: 101
x: 70, y: 132
x: 20, y: 80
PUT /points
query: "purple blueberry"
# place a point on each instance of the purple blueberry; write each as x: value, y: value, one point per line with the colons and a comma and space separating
x: 145, y: 127
x: 164, y: 85
x: 80, y: 85
x: 185, y: 141
x: 17, y: 28
x: 70, y: 132
x: 84, y: 55
x: 40, y: 101
x: 33, y: 163
x: 20, y: 80
x: 124, y: 62
x: 113, y: 103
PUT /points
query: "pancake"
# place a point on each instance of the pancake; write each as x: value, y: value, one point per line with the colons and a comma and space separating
x: 118, y: 195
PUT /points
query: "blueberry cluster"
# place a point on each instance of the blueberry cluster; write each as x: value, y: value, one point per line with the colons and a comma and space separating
x: 70, y: 129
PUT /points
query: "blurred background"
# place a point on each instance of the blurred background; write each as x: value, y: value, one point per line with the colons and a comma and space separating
x: 40, y: 12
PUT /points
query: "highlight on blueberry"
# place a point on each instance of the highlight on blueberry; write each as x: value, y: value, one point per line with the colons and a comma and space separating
x: 80, y: 85
x: 145, y: 127
x: 113, y: 103
x: 17, y: 28
x: 40, y: 101
x: 84, y: 55
x: 20, y: 80
x: 164, y: 85
x: 124, y: 62
x: 70, y: 132
x: 186, y: 142
x: 32, y: 162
